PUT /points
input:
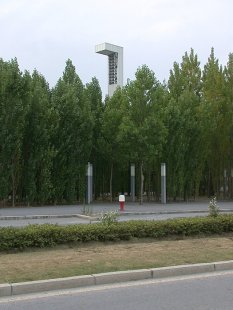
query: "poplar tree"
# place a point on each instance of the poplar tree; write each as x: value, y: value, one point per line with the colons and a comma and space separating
x: 72, y: 137
x: 113, y: 148
x: 142, y: 129
x: 37, y: 148
x: 214, y: 96
x: 94, y: 96
x: 13, y: 108
x: 184, y: 154
x: 229, y: 87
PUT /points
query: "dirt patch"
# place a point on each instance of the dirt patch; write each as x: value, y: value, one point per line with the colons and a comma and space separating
x: 103, y: 257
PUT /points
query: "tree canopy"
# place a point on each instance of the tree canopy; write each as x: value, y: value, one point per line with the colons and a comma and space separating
x: 48, y: 135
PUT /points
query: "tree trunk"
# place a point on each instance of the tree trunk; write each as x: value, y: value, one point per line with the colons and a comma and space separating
x: 110, y: 185
x: 208, y: 184
x: 13, y: 189
x: 142, y: 183
x: 149, y: 186
x: 103, y: 186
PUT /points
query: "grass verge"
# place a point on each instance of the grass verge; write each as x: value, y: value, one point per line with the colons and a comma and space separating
x: 64, y: 261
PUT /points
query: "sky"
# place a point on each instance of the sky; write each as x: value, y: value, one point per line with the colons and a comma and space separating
x: 43, y: 34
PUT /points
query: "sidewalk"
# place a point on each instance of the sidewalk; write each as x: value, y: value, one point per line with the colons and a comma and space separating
x: 98, y: 208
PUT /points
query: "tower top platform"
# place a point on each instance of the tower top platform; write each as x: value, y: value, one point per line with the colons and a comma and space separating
x: 108, y: 49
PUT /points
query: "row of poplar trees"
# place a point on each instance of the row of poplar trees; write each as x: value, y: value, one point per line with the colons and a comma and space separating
x: 47, y: 136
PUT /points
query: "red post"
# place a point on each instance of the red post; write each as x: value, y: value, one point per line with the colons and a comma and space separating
x: 122, y: 202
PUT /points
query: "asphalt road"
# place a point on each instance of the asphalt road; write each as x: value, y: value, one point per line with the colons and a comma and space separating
x: 67, y: 214
x: 199, y: 292
x: 76, y: 220
x: 99, y: 207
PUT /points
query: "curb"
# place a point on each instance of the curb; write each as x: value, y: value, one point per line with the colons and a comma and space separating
x: 12, y: 289
x: 49, y: 216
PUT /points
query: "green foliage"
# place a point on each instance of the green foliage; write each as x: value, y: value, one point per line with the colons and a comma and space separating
x: 14, y: 99
x: 47, y: 235
x: 143, y: 130
x: 213, y: 208
x: 112, y: 149
x: 72, y: 137
x: 37, y: 149
x: 142, y: 127
x: 217, y: 97
x: 108, y: 218
x: 48, y: 135
x: 185, y: 149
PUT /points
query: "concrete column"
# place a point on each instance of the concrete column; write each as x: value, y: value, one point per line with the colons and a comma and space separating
x: 91, y: 185
x: 89, y: 195
x: 163, y: 183
x: 132, y: 182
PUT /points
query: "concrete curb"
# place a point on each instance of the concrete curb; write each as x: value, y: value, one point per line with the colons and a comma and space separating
x: 11, y: 289
x: 49, y: 216
x: 122, y: 276
x: 172, y: 212
x: 49, y: 285
x: 5, y: 290
x: 182, y: 270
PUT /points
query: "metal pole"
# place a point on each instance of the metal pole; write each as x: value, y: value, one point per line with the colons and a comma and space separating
x: 163, y: 183
x: 89, y: 182
x: 132, y: 181
x: 225, y: 183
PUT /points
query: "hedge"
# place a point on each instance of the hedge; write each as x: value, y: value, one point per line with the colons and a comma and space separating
x: 47, y: 235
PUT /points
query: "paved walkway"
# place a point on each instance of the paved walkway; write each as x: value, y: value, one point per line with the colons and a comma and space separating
x: 97, y: 208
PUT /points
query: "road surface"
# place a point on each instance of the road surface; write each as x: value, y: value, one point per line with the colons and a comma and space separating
x: 65, y: 215
x: 199, y: 292
x: 76, y: 220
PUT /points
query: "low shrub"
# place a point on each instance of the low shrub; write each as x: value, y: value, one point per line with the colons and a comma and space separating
x: 213, y: 207
x: 108, y: 218
x: 47, y: 235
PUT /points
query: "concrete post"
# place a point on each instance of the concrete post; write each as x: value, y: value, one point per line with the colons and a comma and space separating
x: 132, y: 182
x: 163, y: 183
x: 89, y: 194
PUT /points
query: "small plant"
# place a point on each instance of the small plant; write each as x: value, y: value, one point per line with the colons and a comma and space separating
x: 213, y: 208
x: 109, y: 218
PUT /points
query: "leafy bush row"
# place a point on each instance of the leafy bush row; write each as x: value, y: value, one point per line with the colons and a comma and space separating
x: 47, y: 235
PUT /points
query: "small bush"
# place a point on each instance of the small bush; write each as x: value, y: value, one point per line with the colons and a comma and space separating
x: 213, y: 208
x: 47, y: 235
x: 109, y: 218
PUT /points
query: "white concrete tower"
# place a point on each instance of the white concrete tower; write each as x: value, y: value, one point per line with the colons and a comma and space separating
x: 115, y: 64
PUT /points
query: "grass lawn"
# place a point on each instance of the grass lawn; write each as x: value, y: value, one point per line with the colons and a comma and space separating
x: 74, y: 260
